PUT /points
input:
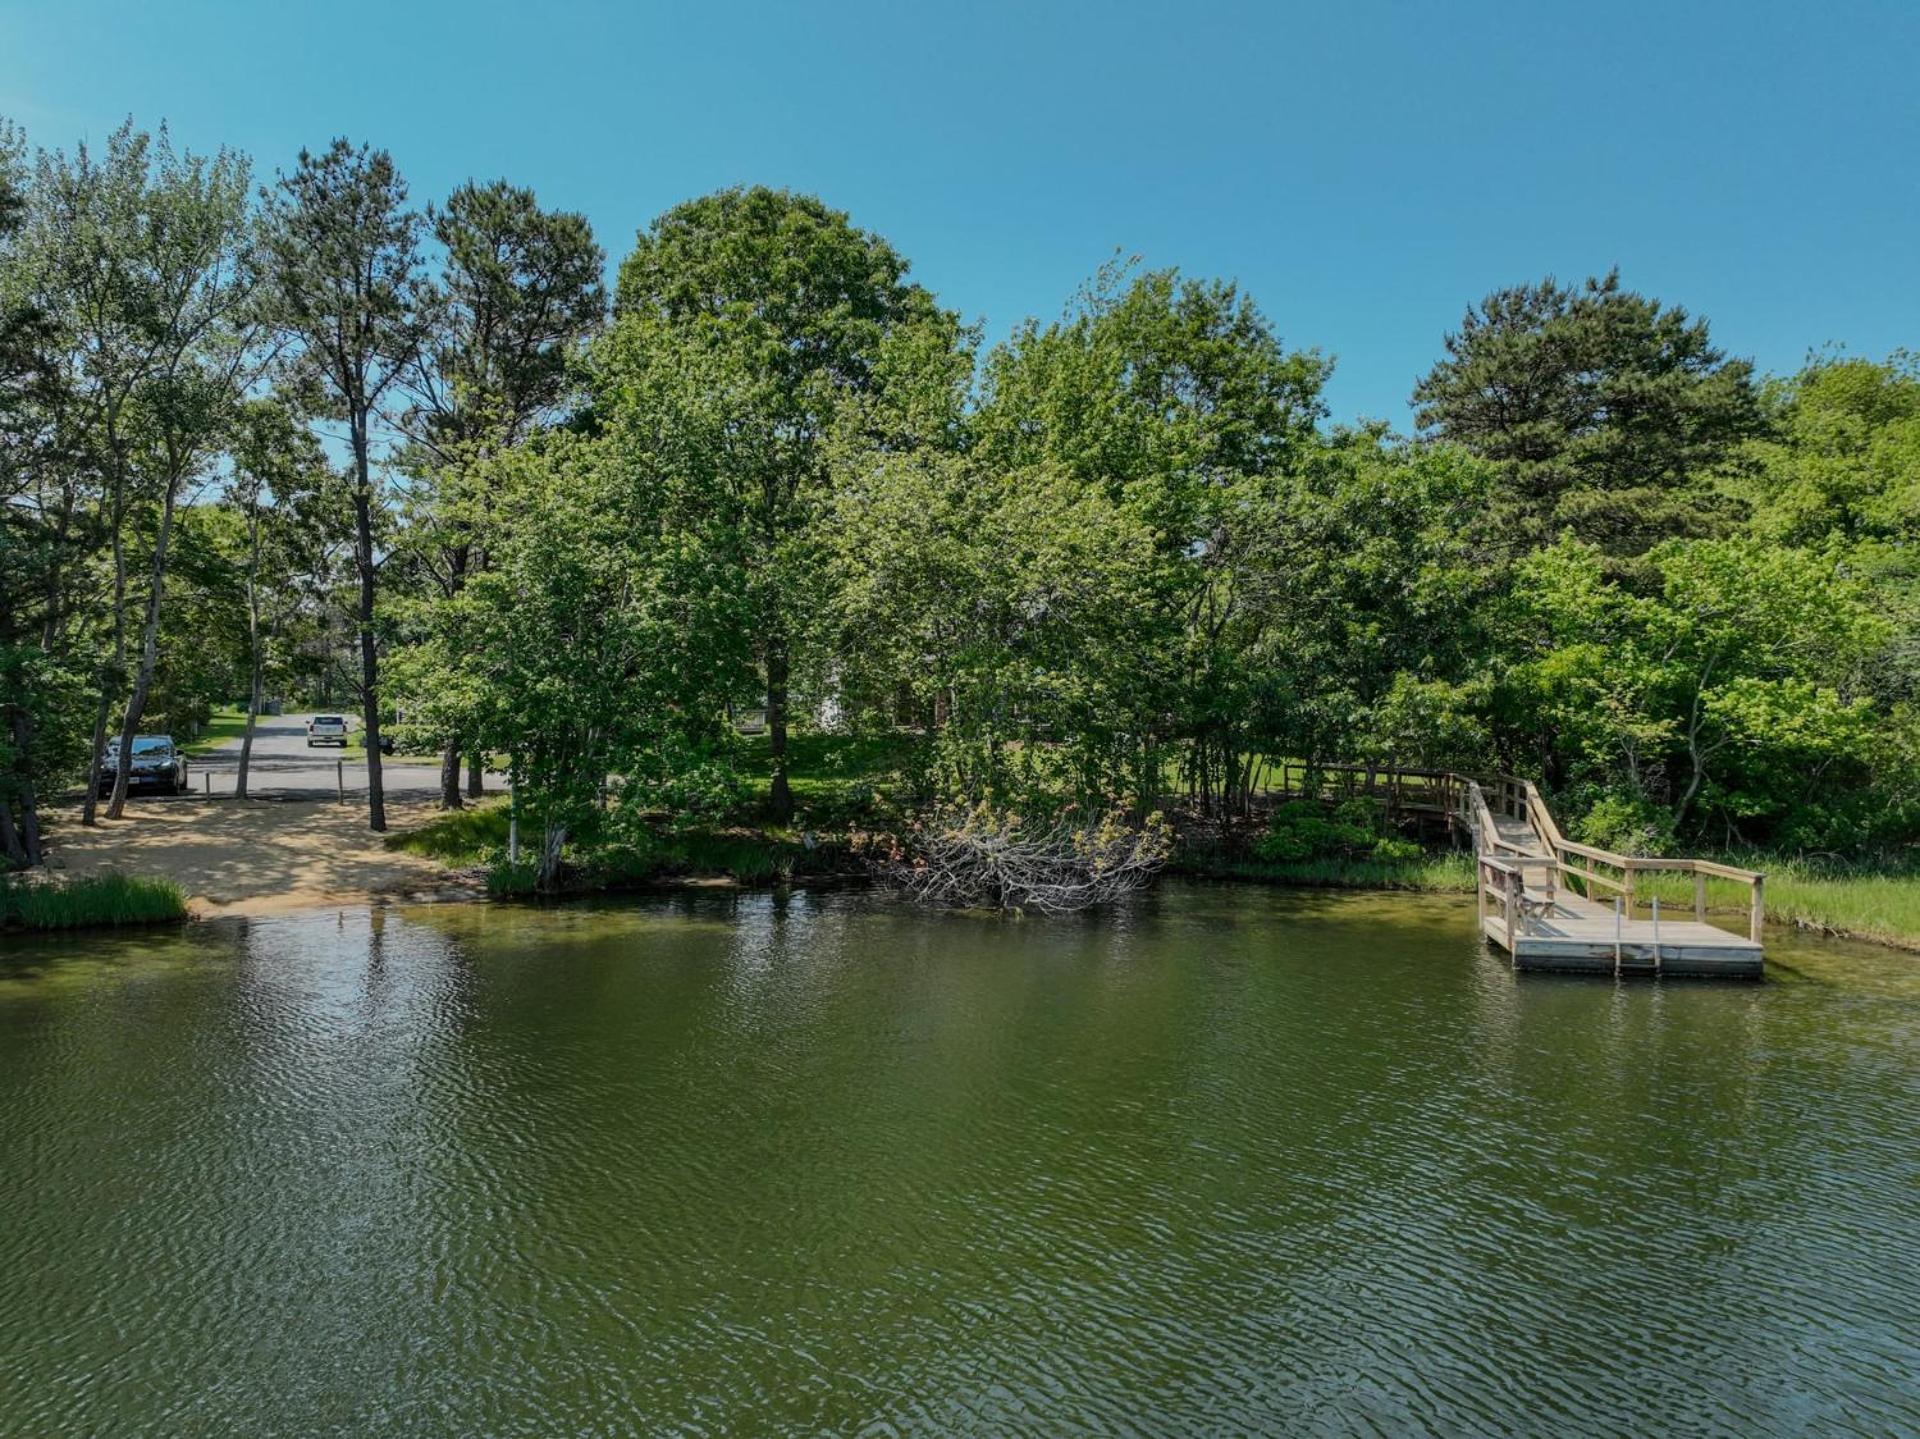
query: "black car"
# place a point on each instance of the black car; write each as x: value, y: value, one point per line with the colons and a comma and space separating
x: 157, y: 765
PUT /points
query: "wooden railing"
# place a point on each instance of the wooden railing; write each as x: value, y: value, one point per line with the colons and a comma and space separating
x: 1602, y: 868
x: 1476, y: 801
x: 1433, y: 791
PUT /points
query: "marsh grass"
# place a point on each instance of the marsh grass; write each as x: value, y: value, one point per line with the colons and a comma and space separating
x: 98, y: 900
x: 1877, y: 902
x: 1447, y: 872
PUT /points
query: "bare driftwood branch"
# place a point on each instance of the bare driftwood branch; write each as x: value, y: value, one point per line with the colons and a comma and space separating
x: 977, y: 858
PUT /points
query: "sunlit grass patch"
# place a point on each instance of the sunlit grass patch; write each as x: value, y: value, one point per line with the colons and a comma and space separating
x: 102, y: 899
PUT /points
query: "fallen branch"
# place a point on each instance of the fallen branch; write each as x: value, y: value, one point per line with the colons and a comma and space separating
x: 976, y: 858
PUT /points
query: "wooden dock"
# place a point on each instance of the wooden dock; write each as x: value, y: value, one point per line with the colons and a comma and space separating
x: 1548, y: 903
x: 1555, y: 905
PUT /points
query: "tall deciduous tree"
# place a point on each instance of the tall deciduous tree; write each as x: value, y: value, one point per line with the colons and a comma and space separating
x: 343, y: 253
x: 788, y: 308
x: 520, y: 289
x: 201, y: 241
x: 1606, y: 412
x: 33, y: 520
x: 141, y: 253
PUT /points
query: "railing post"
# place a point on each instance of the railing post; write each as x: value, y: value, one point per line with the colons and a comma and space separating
x: 1626, y: 890
x: 1757, y: 921
x: 1699, y: 897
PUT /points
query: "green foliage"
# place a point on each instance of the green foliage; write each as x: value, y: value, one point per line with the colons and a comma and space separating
x: 458, y: 837
x: 1604, y: 412
x: 96, y: 901
x: 1307, y: 830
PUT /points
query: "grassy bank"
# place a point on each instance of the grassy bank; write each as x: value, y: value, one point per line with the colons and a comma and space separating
x: 100, y: 900
x: 477, y: 838
x: 1879, y: 903
x: 1437, y: 873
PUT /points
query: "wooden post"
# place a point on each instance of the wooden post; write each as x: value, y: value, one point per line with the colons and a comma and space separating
x: 1699, y: 897
x: 206, y: 783
x: 1757, y: 921
x: 1656, y: 934
x: 1480, y: 891
x: 1513, y: 903
x: 1616, y: 933
x: 340, y: 778
x: 1627, y: 891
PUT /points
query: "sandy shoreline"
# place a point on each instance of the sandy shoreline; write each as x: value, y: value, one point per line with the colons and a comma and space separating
x: 258, y: 857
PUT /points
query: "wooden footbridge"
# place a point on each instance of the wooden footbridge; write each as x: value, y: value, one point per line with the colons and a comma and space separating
x: 1547, y: 902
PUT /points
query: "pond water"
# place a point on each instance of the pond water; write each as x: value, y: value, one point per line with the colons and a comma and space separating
x: 1233, y: 1160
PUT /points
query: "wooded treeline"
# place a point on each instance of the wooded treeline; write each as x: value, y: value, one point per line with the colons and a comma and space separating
x: 301, y: 437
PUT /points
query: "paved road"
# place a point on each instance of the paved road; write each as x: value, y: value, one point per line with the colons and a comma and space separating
x: 283, y: 763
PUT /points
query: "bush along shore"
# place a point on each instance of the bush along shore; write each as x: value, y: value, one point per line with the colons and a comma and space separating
x: 98, y: 901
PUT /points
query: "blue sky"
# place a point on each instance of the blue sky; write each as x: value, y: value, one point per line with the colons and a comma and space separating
x: 1364, y: 169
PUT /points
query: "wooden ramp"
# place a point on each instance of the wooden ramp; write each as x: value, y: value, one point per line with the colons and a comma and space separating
x: 1555, y: 905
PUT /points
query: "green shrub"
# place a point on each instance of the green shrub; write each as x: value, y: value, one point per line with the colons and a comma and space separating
x: 1302, y: 830
x: 1627, y: 824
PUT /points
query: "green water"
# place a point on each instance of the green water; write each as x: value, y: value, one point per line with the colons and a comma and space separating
x: 1235, y: 1161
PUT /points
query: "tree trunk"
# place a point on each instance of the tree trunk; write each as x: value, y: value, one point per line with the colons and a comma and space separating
x: 780, y: 798
x: 14, y: 852
x: 450, y: 751
x: 256, y: 657
x: 552, y: 841
x: 476, y: 776
x: 450, y: 776
x: 26, y: 806
x: 149, y: 653
x: 111, y: 681
x: 369, y: 653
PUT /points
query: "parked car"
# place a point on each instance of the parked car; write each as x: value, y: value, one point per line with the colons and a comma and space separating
x: 327, y: 729
x: 157, y: 765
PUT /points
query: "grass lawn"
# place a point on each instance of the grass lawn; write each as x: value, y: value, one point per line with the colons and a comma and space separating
x: 830, y: 775
x: 228, y: 722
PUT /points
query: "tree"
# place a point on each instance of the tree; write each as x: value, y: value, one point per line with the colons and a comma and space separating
x: 32, y: 531
x: 1605, y: 412
x: 588, y: 640
x: 343, y: 254
x: 196, y: 212
x: 279, y: 491
x: 1730, y: 688
x: 1174, y: 401
x: 141, y: 254
x: 780, y: 303
x: 520, y: 290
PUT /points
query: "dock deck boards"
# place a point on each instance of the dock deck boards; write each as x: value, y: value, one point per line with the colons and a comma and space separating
x: 1579, y: 935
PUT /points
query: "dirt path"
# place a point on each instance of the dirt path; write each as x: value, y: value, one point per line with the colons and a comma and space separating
x: 258, y: 856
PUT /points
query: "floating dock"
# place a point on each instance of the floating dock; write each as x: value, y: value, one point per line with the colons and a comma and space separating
x: 1547, y: 902
x: 1555, y: 905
